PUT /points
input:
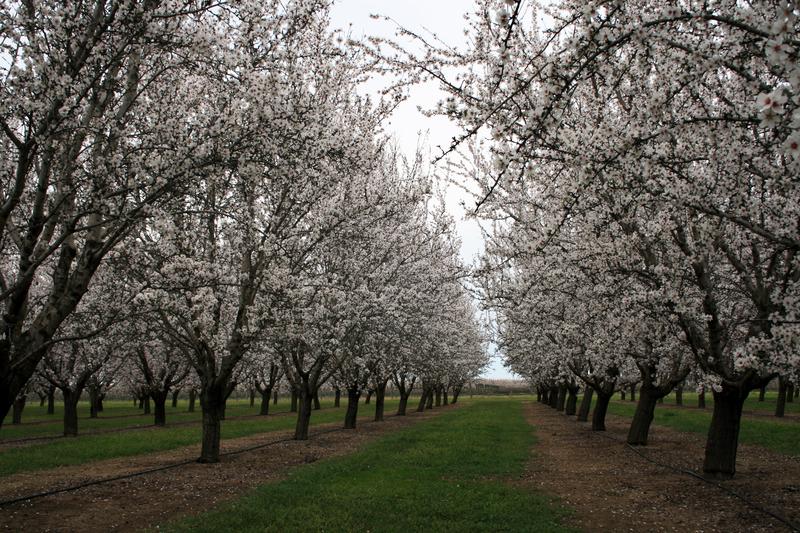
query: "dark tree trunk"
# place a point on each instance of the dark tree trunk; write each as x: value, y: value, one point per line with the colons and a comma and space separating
x: 275, y: 397
x: 303, y: 402
x: 212, y: 403
x: 429, y: 400
x: 160, y: 404
x: 701, y: 399
x: 539, y: 395
x: 678, y: 395
x: 100, y: 399
x: 353, y: 395
x: 723, y: 434
x: 71, y: 412
x: 780, y: 404
x: 369, y: 397
x: 562, y: 398
x: 456, y: 392
x: 337, y: 397
x: 141, y: 402
x: 586, y: 404
x: 572, y: 401
x: 192, y: 398
x: 761, y: 393
x: 51, y: 400
x: 252, y: 397
x: 403, y: 405
x: 16, y: 413
x: 94, y: 401
x: 796, y: 392
x: 293, y: 408
x: 317, y: 406
x: 553, y: 397
x: 266, y: 394
x: 643, y: 417
x: 423, y: 399
x: 622, y: 395
x: 790, y: 392
x: 380, y: 398
x: 633, y: 392
x: 42, y: 399
x: 438, y: 396
x: 147, y: 405
x: 445, y: 398
x: 600, y: 410
x: 175, y: 398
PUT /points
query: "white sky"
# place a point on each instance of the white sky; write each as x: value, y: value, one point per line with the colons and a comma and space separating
x: 445, y: 18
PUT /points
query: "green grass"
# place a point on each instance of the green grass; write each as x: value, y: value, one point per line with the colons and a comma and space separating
x: 87, y: 448
x: 751, y: 404
x: 775, y: 434
x: 450, y: 473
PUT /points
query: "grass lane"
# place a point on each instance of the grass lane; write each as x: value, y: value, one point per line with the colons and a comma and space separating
x: 450, y: 473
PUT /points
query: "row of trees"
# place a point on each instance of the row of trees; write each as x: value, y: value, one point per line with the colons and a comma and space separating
x: 196, y: 189
x: 636, y: 163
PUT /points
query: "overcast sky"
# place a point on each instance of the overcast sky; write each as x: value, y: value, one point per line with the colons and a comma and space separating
x: 445, y: 18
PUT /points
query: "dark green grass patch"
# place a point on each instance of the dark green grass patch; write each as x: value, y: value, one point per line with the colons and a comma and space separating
x: 451, y: 473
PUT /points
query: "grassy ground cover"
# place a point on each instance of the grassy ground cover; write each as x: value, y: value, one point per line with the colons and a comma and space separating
x: 87, y: 448
x: 751, y: 404
x: 450, y: 473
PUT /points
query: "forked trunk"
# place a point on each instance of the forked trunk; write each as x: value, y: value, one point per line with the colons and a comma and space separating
x: 586, y: 404
x: 723, y: 434
x: 353, y: 395
x: 600, y: 410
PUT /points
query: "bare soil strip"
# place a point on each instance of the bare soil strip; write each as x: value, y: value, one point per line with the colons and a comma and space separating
x: 146, y: 501
x: 611, y: 488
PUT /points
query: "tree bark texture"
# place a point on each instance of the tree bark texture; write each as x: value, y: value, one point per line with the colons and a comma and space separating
x: 586, y: 404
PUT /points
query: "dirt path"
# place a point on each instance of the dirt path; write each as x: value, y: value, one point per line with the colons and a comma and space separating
x: 145, y: 501
x: 612, y: 488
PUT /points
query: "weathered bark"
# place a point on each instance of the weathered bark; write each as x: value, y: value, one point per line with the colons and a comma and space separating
x: 600, y: 410
x: 780, y: 404
x: 337, y: 397
x: 586, y: 404
x: 562, y: 398
x: 572, y: 400
x: 380, y: 398
x: 643, y: 417
x: 192, y: 399
x: 723, y: 434
x: 71, y: 412
x: 160, y: 411
x: 19, y: 405
x: 350, y: 417
x: 212, y: 401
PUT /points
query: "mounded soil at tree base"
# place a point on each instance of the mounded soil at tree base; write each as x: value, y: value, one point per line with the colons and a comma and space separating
x: 143, y: 502
x: 612, y: 488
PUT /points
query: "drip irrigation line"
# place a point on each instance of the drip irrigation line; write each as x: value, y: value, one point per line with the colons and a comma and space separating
x: 77, y: 486
x: 785, y: 521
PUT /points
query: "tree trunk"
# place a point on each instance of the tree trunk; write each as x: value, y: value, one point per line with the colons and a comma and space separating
x: 192, y: 398
x: 780, y: 404
x: 100, y: 399
x: 423, y: 399
x: 93, y: 402
x: 456, y: 392
x: 293, y: 408
x: 266, y: 396
x: 429, y: 400
x: 438, y: 396
x: 572, y: 401
x: 622, y: 395
x: 275, y: 397
x: 42, y: 399
x: 212, y: 401
x: 723, y: 434
x: 337, y: 397
x: 380, y: 397
x: 445, y: 398
x: 353, y: 395
x: 403, y: 405
x: 141, y: 402
x: 252, y: 397
x: 790, y: 392
x: 600, y: 410
x: 761, y: 393
x: 19, y: 405
x: 147, y: 405
x: 160, y: 411
x: 70, y: 412
x: 553, y: 397
x: 678, y: 395
x: 643, y: 417
x: 51, y: 400
x: 304, y: 399
x: 586, y: 404
x: 175, y: 398
x: 633, y: 392
x: 539, y: 395
x: 317, y: 406
x: 701, y: 399
x: 562, y: 398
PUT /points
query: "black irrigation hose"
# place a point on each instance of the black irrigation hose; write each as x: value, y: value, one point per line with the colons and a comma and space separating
x: 751, y: 503
x: 85, y: 484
